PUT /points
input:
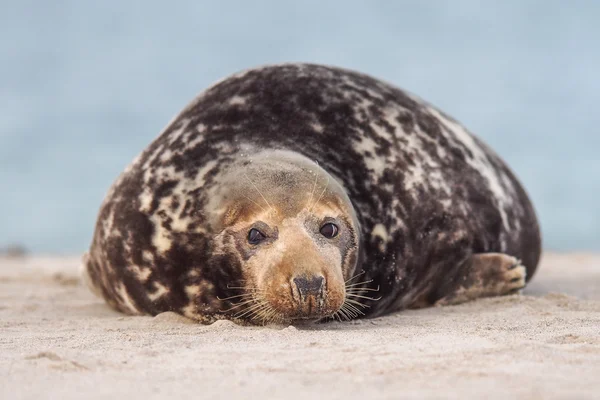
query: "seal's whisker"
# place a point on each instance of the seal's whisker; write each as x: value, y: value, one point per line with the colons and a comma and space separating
x: 243, y: 303
x: 240, y: 280
x: 359, y: 283
x: 249, y: 309
x: 322, y: 193
x: 357, y: 303
x: 271, y: 317
x: 348, y: 303
x: 342, y: 314
x: 336, y: 316
x: 347, y: 312
x: 261, y: 207
x: 259, y: 312
x: 363, y: 297
x: 361, y: 290
x: 263, y: 306
x: 355, y: 276
x: 267, y: 314
x: 250, y: 289
x: 354, y: 308
x: 233, y: 297
x: 259, y: 192
x: 313, y: 191
x: 273, y: 312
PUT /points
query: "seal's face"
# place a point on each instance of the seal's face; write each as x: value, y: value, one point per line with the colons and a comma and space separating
x: 294, y: 233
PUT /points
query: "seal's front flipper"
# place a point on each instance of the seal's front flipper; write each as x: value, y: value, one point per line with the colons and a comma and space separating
x: 484, y: 275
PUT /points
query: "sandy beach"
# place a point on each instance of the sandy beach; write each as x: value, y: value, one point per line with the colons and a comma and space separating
x: 59, y: 341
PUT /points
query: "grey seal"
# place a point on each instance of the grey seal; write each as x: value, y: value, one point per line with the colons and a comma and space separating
x: 300, y: 192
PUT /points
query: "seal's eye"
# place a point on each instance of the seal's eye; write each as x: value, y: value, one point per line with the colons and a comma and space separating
x: 255, y: 236
x: 329, y: 230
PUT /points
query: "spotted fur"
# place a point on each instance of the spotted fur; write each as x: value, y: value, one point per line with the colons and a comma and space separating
x: 427, y: 193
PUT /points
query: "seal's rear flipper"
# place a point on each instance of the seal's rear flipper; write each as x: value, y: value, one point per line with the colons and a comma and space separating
x: 485, y: 275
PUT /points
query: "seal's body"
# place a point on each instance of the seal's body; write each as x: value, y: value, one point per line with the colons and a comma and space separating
x: 301, y: 191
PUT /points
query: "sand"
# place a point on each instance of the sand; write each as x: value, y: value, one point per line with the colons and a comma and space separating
x: 58, y: 341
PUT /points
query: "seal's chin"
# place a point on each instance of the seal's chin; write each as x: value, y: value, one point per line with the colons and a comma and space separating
x: 304, y: 315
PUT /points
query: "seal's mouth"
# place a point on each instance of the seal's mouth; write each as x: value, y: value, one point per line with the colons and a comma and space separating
x: 306, y: 297
x: 300, y: 299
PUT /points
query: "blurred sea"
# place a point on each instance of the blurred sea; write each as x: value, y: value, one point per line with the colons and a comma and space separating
x: 86, y: 85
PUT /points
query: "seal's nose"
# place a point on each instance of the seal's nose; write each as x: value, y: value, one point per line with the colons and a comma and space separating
x: 309, y: 287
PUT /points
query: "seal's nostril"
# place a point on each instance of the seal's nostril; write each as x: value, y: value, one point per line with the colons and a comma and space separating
x: 312, y: 286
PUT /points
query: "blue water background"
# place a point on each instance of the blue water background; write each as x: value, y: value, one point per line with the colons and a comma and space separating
x: 86, y: 85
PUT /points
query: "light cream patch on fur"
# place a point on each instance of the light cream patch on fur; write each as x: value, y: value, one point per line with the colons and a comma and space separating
x: 160, y: 291
x: 125, y: 298
x: 446, y: 203
x: 177, y: 133
x: 161, y: 239
x: 148, y: 256
x: 192, y: 290
x: 317, y: 127
x: 152, y: 157
x: 191, y: 311
x: 194, y: 273
x: 380, y: 232
x: 237, y: 100
x: 145, y: 199
x: 368, y: 148
x: 198, y: 136
x: 141, y: 273
x: 166, y: 155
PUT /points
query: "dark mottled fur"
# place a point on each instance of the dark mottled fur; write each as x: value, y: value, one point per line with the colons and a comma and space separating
x: 313, y: 110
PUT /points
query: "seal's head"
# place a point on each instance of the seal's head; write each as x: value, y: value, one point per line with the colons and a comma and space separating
x: 292, y: 230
